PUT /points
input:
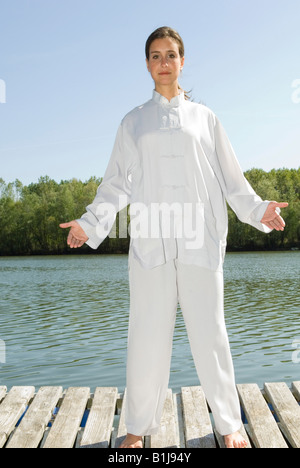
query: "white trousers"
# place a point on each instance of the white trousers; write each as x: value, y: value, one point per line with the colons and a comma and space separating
x: 154, y: 296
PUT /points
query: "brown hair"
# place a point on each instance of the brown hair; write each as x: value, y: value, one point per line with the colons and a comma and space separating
x: 162, y: 33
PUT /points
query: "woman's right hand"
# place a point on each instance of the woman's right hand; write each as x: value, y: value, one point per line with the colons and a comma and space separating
x: 77, y: 237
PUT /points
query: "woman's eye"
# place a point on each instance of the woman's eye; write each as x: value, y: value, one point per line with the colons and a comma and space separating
x: 169, y: 57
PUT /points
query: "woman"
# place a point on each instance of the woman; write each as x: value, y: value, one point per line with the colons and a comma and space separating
x: 173, y: 155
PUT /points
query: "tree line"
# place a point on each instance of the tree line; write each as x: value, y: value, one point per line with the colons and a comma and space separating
x: 30, y: 215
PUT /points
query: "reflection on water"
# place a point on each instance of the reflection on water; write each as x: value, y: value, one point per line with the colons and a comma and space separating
x: 64, y: 320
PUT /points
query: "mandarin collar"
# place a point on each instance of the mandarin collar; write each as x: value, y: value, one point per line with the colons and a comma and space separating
x: 176, y: 101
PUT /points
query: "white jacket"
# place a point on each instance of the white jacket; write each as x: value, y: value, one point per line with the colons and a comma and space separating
x: 173, y: 154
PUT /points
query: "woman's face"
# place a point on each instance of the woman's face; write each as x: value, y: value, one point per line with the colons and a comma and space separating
x: 165, y: 63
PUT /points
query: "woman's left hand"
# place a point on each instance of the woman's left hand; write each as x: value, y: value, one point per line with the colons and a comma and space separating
x: 272, y: 218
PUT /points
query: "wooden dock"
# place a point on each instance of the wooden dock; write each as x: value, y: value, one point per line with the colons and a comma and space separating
x: 75, y: 418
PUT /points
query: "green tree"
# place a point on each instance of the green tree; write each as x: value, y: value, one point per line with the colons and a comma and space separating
x: 30, y: 215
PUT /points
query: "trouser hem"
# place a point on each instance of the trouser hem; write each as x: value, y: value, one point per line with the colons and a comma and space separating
x: 142, y: 433
x: 231, y: 429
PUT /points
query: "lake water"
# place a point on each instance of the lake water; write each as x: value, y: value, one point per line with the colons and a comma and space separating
x: 63, y: 320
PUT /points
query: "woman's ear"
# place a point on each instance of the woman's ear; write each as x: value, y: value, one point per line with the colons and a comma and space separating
x: 147, y: 63
x: 182, y: 63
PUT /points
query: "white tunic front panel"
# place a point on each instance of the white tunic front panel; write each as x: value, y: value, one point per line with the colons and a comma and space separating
x: 174, y: 154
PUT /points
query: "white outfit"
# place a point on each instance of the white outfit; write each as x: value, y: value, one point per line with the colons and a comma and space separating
x: 175, y: 152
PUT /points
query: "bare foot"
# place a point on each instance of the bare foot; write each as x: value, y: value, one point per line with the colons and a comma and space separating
x: 132, y: 441
x: 235, y: 440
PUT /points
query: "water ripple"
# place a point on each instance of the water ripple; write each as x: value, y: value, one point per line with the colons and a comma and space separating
x: 64, y: 320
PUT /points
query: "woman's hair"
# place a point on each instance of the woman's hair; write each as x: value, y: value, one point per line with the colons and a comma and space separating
x: 163, y: 33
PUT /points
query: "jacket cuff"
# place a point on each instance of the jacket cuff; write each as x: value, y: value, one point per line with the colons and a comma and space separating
x: 93, y: 239
x: 257, y: 215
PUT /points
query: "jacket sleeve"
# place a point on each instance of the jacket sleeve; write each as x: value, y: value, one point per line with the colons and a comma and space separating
x: 241, y: 197
x: 113, y: 193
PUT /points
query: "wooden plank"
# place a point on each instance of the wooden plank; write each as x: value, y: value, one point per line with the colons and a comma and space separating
x: 31, y: 430
x: 263, y: 428
x: 167, y: 435
x: 121, y: 431
x: 197, y: 424
x: 287, y: 411
x: 99, y: 424
x: 3, y: 391
x: 65, y: 428
x: 179, y: 418
x: 296, y: 390
x: 12, y: 408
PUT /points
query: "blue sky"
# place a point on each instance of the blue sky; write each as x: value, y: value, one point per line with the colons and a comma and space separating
x: 74, y: 68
